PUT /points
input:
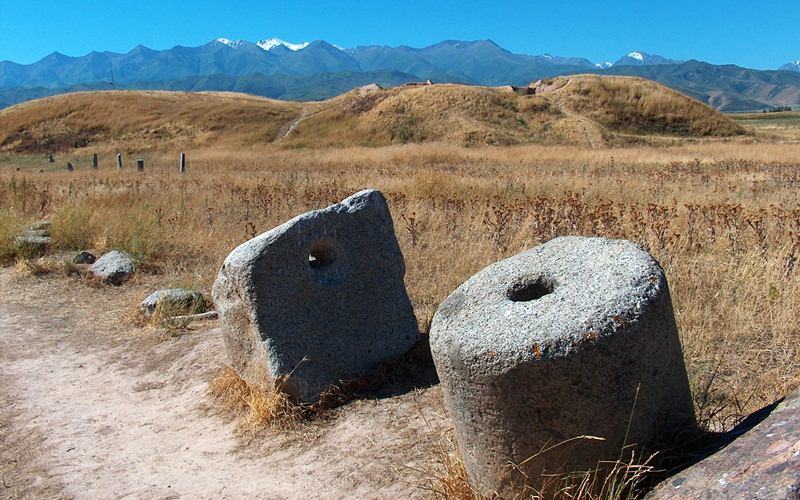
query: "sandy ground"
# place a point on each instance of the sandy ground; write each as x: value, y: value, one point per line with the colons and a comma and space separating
x: 91, y: 407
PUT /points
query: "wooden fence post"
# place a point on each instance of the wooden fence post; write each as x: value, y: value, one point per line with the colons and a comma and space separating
x: 119, y: 161
x: 183, y: 163
x: 94, y: 161
x: 140, y: 165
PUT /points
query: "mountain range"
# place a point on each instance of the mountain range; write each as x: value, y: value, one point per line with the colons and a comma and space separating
x: 318, y: 69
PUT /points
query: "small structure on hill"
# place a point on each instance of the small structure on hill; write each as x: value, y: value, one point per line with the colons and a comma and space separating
x: 372, y: 87
x: 317, y: 300
x: 558, y: 358
x: 417, y: 84
x: 526, y: 90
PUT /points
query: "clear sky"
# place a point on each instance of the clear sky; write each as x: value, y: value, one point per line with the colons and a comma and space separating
x: 758, y: 33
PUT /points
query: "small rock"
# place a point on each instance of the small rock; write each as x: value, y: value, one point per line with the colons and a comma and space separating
x: 84, y: 258
x: 42, y: 225
x: 114, y: 268
x: 33, y: 243
x: 176, y: 300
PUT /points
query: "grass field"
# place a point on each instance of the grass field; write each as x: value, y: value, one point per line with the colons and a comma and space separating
x: 784, y: 125
x: 721, y: 216
x: 726, y: 227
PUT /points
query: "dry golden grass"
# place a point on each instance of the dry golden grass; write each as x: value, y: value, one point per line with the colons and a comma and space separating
x: 618, y: 110
x: 126, y: 120
x: 725, y: 229
x: 625, y: 478
x: 722, y: 216
x: 639, y: 106
x: 257, y: 408
x: 473, y: 116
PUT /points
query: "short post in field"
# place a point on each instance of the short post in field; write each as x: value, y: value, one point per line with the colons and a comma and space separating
x: 70, y: 167
x: 119, y: 160
x: 94, y: 161
x: 140, y: 165
x: 182, y: 168
x: 50, y: 158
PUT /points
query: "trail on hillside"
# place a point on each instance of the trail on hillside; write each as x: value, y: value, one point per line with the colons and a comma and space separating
x: 91, y: 409
x: 288, y: 128
x: 582, y: 120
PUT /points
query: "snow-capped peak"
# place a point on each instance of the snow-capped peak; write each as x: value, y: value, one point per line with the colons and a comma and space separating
x: 603, y: 65
x: 636, y: 55
x: 271, y: 43
x: 547, y: 56
x: 230, y: 43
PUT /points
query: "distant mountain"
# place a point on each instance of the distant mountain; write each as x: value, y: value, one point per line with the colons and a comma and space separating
x: 637, y: 58
x: 792, y: 66
x: 316, y: 70
x: 725, y: 87
x: 481, y: 62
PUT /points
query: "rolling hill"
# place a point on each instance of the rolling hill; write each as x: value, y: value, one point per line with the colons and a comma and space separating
x: 586, y: 110
x: 141, y: 119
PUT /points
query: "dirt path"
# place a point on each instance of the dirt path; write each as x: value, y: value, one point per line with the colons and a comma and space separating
x: 585, y: 123
x: 307, y: 112
x: 91, y: 409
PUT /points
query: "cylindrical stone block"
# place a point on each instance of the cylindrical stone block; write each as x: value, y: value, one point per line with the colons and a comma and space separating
x: 94, y: 161
x: 119, y: 160
x: 140, y: 165
x: 182, y: 166
x: 556, y: 359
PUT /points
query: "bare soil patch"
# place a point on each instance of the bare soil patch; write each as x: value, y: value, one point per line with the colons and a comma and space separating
x: 91, y: 407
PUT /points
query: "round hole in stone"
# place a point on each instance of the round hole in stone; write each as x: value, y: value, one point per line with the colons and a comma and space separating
x: 321, y: 254
x: 528, y: 289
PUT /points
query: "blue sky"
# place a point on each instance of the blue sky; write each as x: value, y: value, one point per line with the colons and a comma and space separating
x: 757, y: 34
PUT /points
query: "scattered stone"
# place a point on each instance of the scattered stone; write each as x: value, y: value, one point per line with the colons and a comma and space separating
x: 36, y: 238
x: 84, y: 258
x: 318, y: 299
x: 114, y: 268
x: 761, y: 460
x: 42, y: 225
x: 198, y: 317
x: 556, y: 358
x: 175, y: 300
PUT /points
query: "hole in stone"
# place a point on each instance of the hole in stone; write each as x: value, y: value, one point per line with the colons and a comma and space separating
x: 321, y: 255
x: 530, y: 289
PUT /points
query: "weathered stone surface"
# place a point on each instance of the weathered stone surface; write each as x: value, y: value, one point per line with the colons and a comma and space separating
x: 318, y: 299
x: 176, y: 300
x: 114, y: 268
x: 84, y: 257
x: 572, y: 338
x: 762, y: 462
x: 42, y: 225
x: 36, y: 238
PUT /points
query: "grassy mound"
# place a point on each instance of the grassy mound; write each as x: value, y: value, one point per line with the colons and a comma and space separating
x: 586, y: 110
x: 140, y: 120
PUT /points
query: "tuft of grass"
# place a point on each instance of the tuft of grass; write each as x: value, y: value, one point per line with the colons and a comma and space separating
x: 258, y: 409
x: 447, y: 479
x: 73, y: 228
x: 624, y: 479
